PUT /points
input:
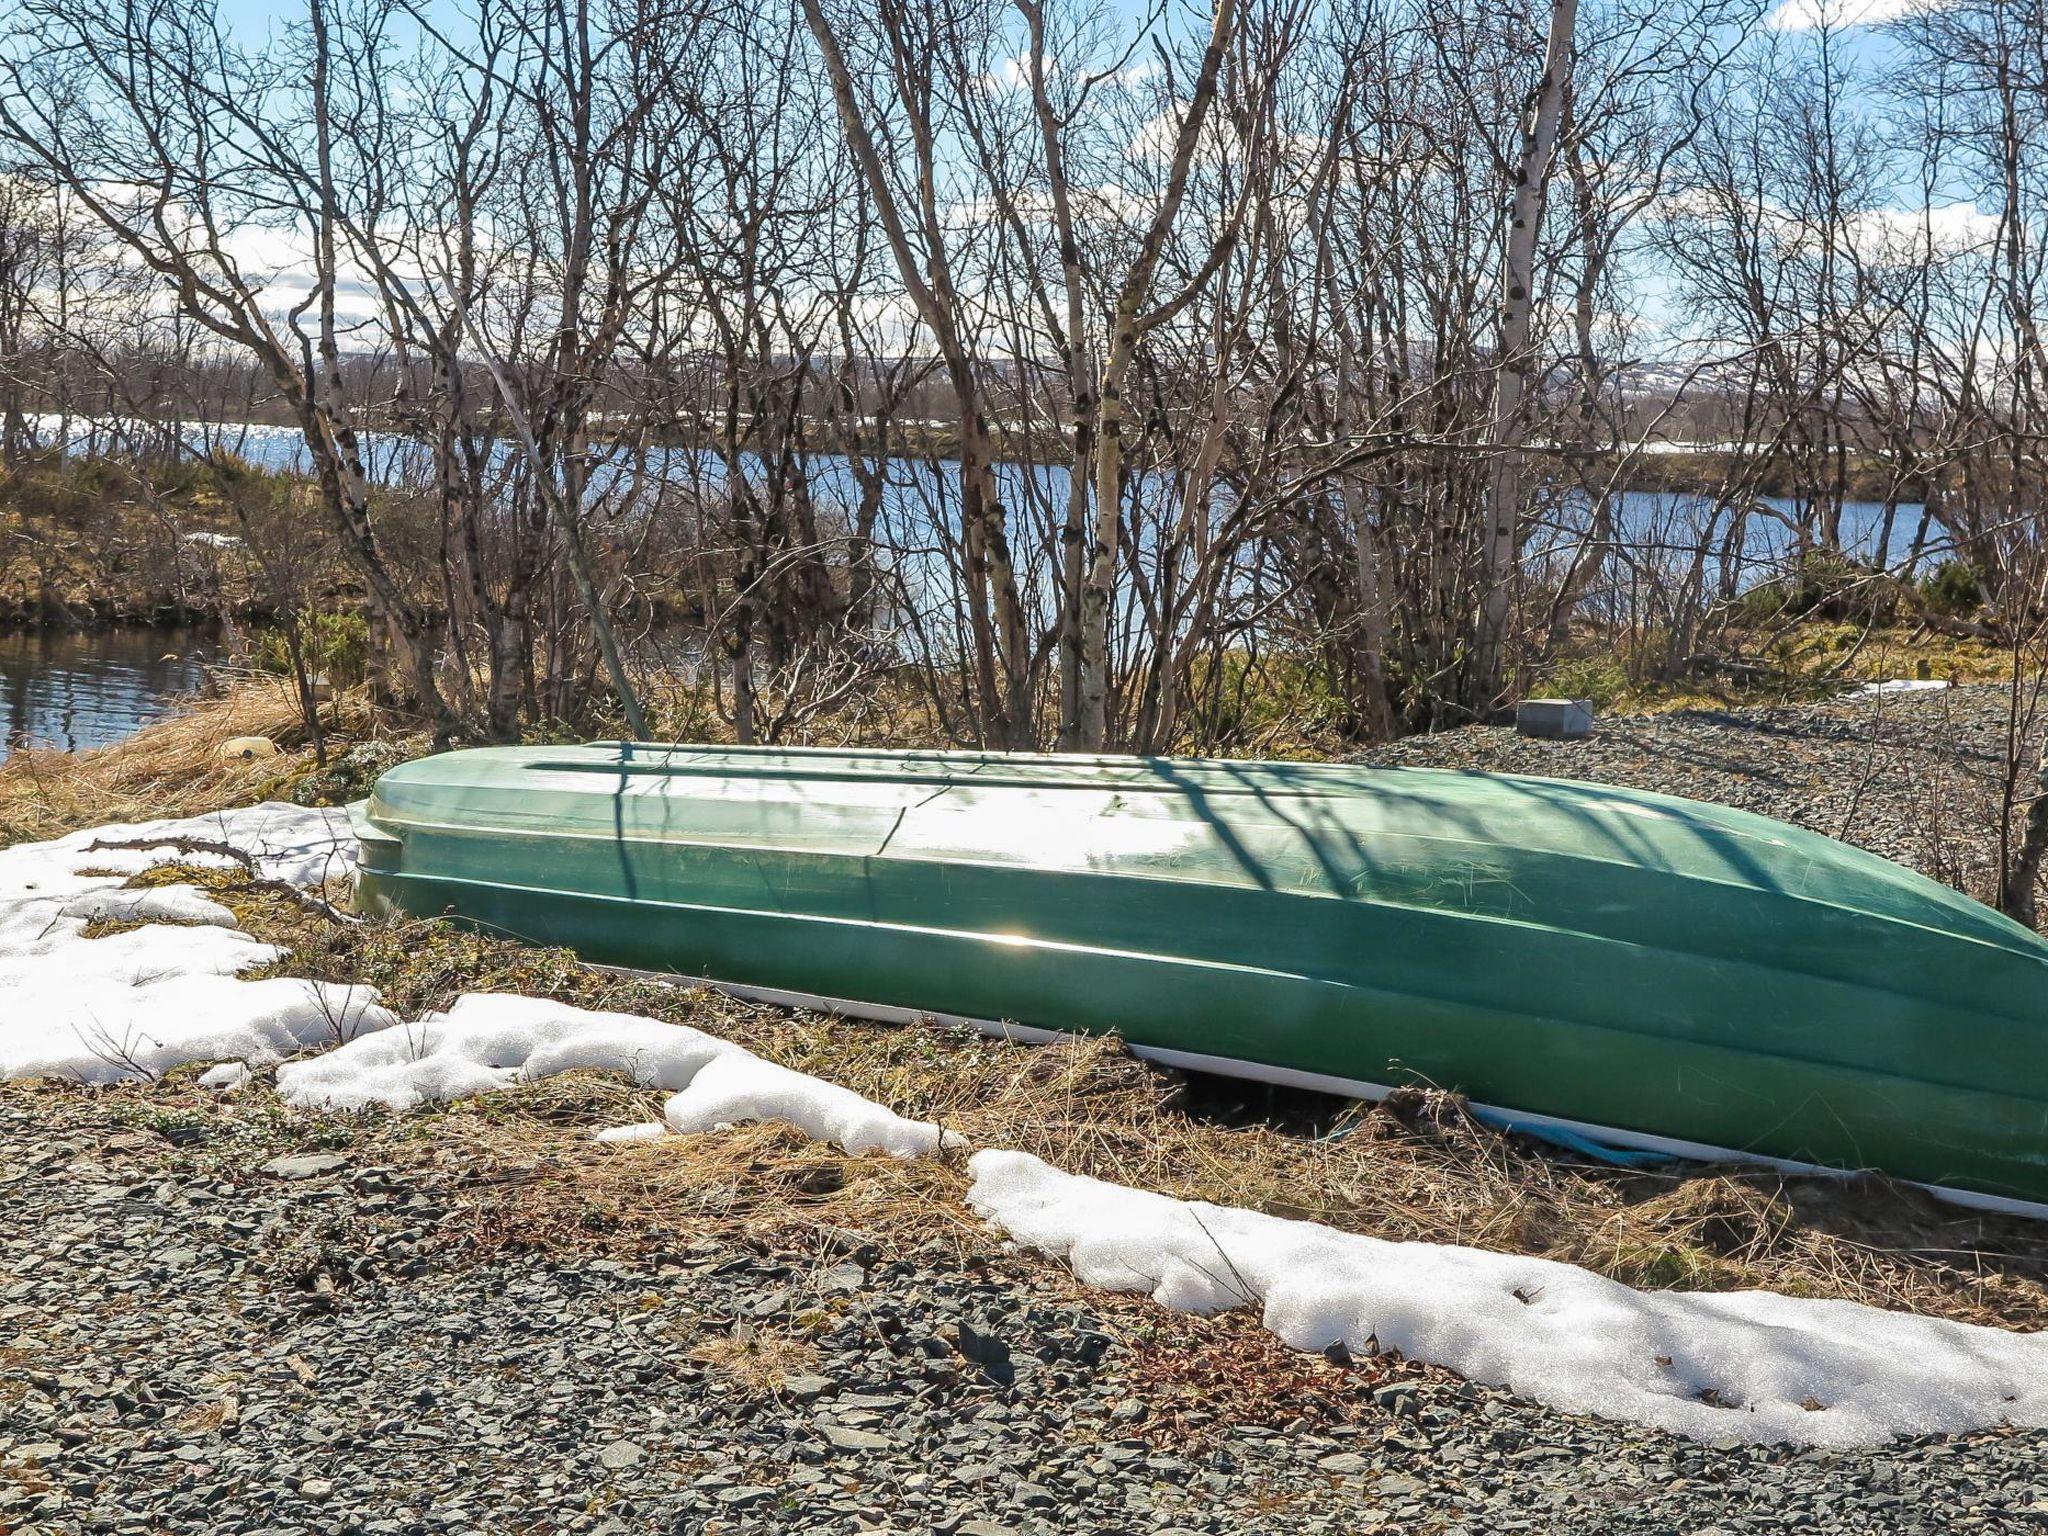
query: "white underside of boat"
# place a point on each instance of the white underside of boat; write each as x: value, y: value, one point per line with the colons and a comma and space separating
x: 1347, y: 1087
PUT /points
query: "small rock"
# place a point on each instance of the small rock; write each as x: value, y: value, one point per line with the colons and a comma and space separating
x: 619, y: 1455
x: 846, y: 1439
x: 305, y: 1165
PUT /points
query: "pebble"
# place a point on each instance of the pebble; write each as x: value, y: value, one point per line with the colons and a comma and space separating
x: 305, y: 1166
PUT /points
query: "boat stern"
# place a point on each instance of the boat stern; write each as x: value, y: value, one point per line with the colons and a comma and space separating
x: 378, y: 853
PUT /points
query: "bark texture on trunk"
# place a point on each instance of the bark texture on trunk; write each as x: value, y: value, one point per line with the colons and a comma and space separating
x: 1518, y: 310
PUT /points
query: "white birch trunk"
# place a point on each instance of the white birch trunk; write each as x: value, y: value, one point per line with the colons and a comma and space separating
x: 1518, y: 307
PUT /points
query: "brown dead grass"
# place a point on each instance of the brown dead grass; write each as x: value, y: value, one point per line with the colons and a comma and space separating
x: 206, y: 1417
x: 758, y: 1361
x: 172, y: 768
x: 1195, y: 1374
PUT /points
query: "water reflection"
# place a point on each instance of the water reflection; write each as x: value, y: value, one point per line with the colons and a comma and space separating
x: 69, y: 690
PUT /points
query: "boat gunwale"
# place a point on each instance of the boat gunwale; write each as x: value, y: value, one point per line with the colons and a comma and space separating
x: 1705, y: 820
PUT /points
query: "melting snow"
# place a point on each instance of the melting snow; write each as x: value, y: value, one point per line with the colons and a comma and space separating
x: 139, y: 1002
x: 1750, y: 1365
x: 743, y: 1087
x: 487, y: 1042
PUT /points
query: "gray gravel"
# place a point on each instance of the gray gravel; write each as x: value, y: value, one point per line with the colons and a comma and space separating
x: 197, y: 1341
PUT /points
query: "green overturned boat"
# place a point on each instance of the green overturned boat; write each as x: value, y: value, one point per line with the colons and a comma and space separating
x: 1646, y: 970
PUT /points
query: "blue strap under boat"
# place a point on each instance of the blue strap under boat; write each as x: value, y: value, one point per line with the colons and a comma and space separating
x: 1573, y: 1141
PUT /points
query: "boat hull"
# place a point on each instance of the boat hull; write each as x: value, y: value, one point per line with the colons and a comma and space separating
x: 1673, y: 972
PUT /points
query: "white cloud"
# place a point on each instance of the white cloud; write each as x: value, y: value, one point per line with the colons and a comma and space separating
x: 1805, y: 15
x: 1905, y: 233
x: 1880, y: 235
x: 1012, y: 74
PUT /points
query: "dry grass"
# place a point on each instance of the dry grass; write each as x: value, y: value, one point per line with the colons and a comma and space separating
x: 1800, y: 660
x: 1195, y: 1374
x: 758, y: 1361
x: 210, y: 1416
x: 173, y: 768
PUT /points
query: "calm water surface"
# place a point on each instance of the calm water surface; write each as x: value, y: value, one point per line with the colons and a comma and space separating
x: 60, y: 689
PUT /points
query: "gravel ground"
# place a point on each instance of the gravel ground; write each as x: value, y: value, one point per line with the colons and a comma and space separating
x: 207, y: 1325
x: 256, y: 1338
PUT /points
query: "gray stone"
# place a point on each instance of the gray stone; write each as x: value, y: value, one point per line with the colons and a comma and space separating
x: 305, y: 1165
x: 1554, y: 719
x: 620, y: 1454
x: 846, y: 1439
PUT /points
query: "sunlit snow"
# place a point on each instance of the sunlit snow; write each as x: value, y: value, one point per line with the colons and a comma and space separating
x: 1749, y: 1365
x: 136, y: 1003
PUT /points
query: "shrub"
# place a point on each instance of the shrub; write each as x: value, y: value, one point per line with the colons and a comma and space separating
x: 335, y: 645
x: 1825, y: 584
x: 1599, y: 679
x: 1955, y: 587
x: 352, y: 775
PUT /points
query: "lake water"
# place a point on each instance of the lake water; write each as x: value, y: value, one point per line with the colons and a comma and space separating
x: 72, y: 690
x: 1664, y: 526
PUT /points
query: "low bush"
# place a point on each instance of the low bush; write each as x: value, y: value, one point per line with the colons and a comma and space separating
x: 336, y: 646
x: 1823, y: 584
x: 1954, y: 588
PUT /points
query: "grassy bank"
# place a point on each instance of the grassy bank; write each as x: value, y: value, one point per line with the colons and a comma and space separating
x: 174, y: 768
x: 1798, y: 662
x: 89, y: 542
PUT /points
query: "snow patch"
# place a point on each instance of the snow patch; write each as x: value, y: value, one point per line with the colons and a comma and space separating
x: 110, y: 1029
x: 488, y: 1042
x: 640, y: 1130
x: 139, y: 1002
x: 228, y: 1077
x: 159, y: 904
x: 741, y: 1087
x: 1751, y: 1365
x: 1900, y: 685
